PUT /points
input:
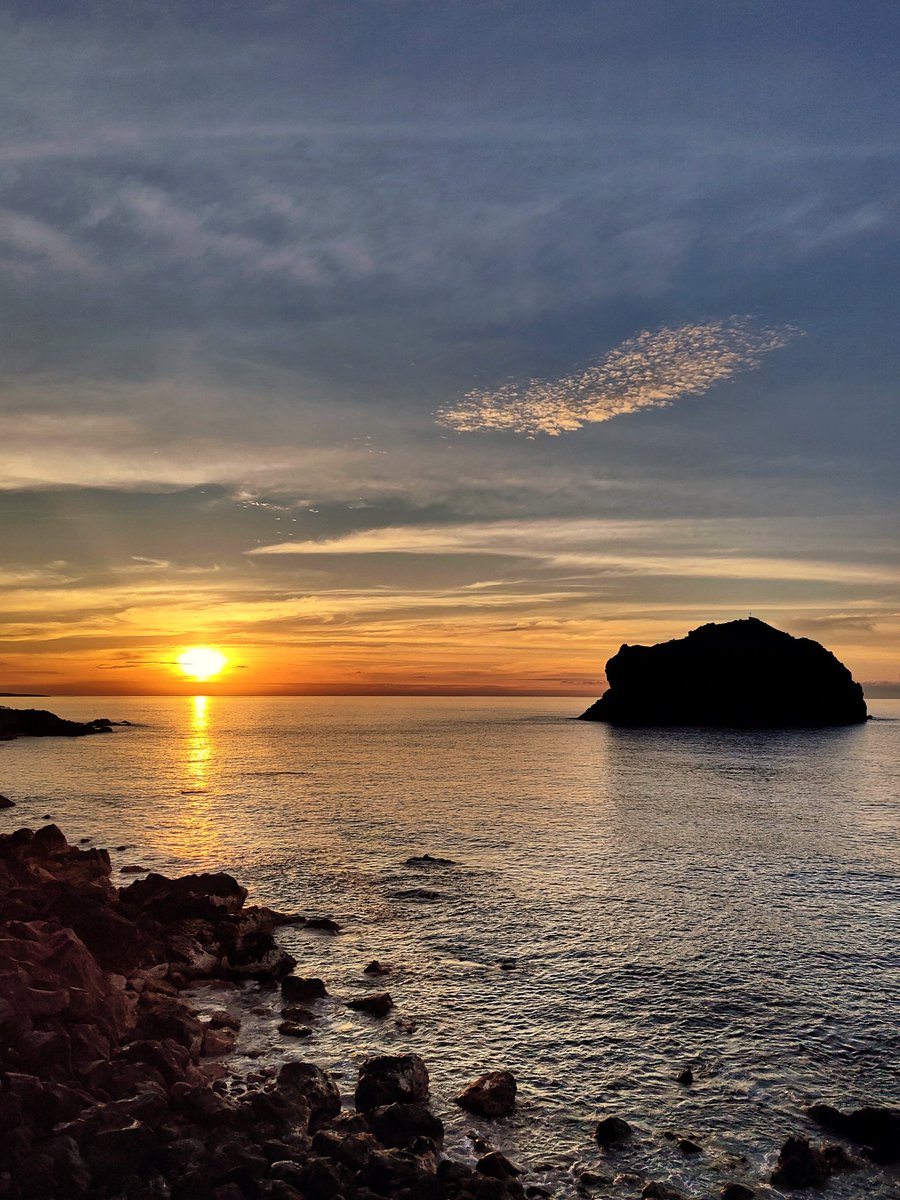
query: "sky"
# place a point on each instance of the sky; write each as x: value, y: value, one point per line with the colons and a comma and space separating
x: 405, y: 346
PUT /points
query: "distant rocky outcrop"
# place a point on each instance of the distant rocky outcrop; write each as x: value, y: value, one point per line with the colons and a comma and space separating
x: 740, y: 674
x: 38, y: 722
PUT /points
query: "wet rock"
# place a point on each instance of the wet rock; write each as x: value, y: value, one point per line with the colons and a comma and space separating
x: 508, y: 964
x: 294, y: 1029
x: 298, y: 1014
x: 5, y: 802
x: 379, y: 1004
x: 190, y: 896
x: 837, y: 1160
x: 799, y: 1165
x: 497, y: 1165
x: 491, y: 1095
x: 223, y: 1019
x: 611, y: 1131
x: 296, y: 989
x: 877, y: 1130
x: 423, y: 894
x: 428, y: 860
x: 257, y: 956
x: 402, y: 1125
x: 298, y: 1081
x: 217, y: 1042
x: 660, y: 1191
x: 391, y: 1079
x: 736, y: 1191
x: 133, y: 869
x: 590, y: 1179
x: 377, y: 968
x: 323, y: 924
x: 686, y: 1146
x: 685, y: 1077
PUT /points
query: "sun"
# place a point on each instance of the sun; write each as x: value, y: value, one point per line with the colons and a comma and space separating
x: 201, y: 662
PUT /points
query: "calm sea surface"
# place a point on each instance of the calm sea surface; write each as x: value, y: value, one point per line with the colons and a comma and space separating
x: 724, y: 900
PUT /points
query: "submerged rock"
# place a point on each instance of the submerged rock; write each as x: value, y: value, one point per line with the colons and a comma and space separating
x: 491, y: 1095
x: 740, y: 674
x: 429, y: 860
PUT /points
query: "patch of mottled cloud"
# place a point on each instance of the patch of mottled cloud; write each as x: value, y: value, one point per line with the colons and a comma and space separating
x: 652, y: 370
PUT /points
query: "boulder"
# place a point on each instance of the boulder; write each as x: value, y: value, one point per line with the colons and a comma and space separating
x: 391, y: 1079
x: 497, y: 1165
x: 379, y: 1004
x: 611, y: 1131
x: 740, y: 674
x: 312, y: 1087
x: 799, y: 1165
x: 190, y: 896
x: 491, y: 1095
x: 5, y: 802
x: 296, y: 989
x: 736, y: 1191
x: 402, y: 1125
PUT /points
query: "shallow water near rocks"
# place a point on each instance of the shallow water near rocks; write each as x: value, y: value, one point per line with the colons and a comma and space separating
x: 621, y: 904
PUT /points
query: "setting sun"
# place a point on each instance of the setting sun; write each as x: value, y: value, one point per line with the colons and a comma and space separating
x: 201, y: 662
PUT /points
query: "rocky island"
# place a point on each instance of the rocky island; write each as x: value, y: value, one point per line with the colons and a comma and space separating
x: 739, y: 674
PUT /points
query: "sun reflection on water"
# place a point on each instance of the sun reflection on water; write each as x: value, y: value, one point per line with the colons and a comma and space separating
x: 195, y: 833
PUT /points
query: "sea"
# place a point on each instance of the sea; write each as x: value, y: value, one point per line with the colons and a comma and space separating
x: 618, y: 905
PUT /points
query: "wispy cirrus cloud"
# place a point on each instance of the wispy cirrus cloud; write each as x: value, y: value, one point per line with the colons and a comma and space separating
x: 651, y: 370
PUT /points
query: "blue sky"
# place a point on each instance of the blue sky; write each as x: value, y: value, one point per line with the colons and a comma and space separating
x: 452, y: 342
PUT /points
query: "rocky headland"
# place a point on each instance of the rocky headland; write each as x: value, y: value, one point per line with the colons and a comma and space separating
x: 38, y: 722
x: 740, y: 674
x: 112, y: 1085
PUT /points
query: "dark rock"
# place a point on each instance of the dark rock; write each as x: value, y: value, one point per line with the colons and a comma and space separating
x: 685, y: 1077
x: 611, y: 1131
x: 660, y: 1191
x: 799, y: 1165
x: 133, y: 869
x: 296, y: 989
x: 257, y: 956
x: 837, y: 1160
x: 377, y: 968
x: 190, y: 896
x: 401, y: 1125
x: 316, y: 1088
x: 737, y: 1191
x: 424, y: 894
x: 377, y: 1005
x: 491, y: 1095
x: 324, y: 924
x: 877, y: 1130
x: 298, y: 1014
x: 590, y: 1179
x: 497, y: 1165
x: 5, y: 802
x: 37, y: 722
x: 740, y: 674
x: 391, y: 1079
x: 686, y: 1146
x: 428, y: 860
x: 294, y: 1030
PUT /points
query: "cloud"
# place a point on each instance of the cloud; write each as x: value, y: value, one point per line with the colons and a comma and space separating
x: 609, y: 546
x: 652, y: 370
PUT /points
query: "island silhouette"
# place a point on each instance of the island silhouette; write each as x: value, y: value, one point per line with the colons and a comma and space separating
x: 739, y: 674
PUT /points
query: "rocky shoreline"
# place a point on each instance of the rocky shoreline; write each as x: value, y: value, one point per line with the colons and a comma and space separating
x: 39, y: 722
x: 111, y: 1085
